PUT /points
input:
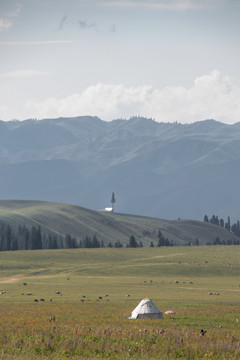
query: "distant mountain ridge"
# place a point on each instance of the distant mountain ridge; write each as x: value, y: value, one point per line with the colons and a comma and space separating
x: 156, y: 169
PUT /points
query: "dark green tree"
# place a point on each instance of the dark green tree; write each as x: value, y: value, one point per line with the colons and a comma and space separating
x: 69, y: 242
x: 132, y: 242
x: 221, y: 222
x: 205, y: 218
x: 95, y: 242
x: 161, y: 239
x: 118, y: 244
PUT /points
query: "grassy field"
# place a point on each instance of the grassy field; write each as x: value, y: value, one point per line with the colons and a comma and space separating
x: 88, y: 319
x: 81, y: 222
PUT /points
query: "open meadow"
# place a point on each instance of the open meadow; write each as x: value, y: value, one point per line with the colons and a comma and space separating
x: 60, y: 304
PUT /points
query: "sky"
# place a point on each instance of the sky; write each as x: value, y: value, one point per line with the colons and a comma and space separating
x: 169, y: 60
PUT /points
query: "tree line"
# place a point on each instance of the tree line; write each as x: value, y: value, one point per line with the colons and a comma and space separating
x: 34, y: 238
x: 217, y: 241
x: 234, y: 228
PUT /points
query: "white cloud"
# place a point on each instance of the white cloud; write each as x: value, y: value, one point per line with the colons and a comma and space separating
x: 3, y: 112
x: 22, y: 74
x: 7, y: 19
x: 5, y: 24
x: 211, y: 96
x: 15, y: 12
x: 158, y: 4
x: 44, y: 42
x: 175, y: 5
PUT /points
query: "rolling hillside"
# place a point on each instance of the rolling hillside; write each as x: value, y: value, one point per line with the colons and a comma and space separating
x: 80, y: 222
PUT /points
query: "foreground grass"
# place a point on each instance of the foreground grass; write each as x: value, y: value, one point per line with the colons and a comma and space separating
x: 89, y: 318
x: 97, y: 331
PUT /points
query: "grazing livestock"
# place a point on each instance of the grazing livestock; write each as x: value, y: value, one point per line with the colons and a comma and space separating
x: 52, y: 318
x: 213, y: 293
x: 35, y: 300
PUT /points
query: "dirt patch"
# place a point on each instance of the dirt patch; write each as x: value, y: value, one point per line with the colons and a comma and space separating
x: 157, y: 257
x: 11, y: 279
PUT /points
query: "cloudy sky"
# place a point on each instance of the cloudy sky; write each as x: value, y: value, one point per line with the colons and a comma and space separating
x: 171, y: 60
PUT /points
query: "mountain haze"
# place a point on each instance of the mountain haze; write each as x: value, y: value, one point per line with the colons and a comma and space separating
x: 162, y: 170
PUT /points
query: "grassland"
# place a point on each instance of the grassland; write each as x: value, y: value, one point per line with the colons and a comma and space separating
x: 87, y: 327
x: 81, y: 222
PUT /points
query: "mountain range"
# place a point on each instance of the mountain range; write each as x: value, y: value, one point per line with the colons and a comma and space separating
x: 163, y: 170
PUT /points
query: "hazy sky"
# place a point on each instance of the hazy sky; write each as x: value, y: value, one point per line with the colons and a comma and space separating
x: 172, y: 60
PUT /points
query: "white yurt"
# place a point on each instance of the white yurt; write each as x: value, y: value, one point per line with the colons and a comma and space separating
x: 146, y: 309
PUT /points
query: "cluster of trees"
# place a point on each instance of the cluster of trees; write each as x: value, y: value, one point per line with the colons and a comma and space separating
x: 234, y: 228
x: 217, y: 241
x: 34, y: 238
x: 133, y: 243
x: 23, y: 238
x: 162, y: 241
x: 89, y: 242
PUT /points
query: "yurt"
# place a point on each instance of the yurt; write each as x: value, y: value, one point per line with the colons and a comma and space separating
x: 146, y: 309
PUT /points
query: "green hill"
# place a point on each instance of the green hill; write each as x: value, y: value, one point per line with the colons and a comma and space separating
x: 80, y: 222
